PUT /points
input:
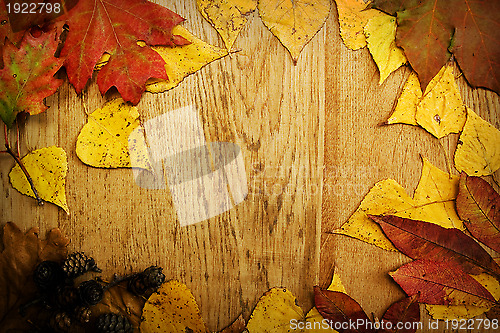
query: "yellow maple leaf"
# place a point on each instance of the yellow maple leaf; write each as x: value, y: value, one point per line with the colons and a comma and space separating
x: 275, y: 312
x: 47, y: 168
x: 380, y: 34
x: 406, y: 107
x: 294, y: 22
x: 387, y: 197
x: 478, y: 148
x: 172, y: 309
x: 353, y: 17
x: 104, y: 141
x: 440, y: 110
x: 228, y: 17
x: 458, y: 312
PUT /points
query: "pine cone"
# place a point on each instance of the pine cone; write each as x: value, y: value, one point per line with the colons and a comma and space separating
x: 83, y: 314
x: 60, y: 322
x: 79, y: 263
x: 48, y: 275
x: 113, y: 323
x: 149, y: 280
x: 91, y: 292
x: 66, y: 297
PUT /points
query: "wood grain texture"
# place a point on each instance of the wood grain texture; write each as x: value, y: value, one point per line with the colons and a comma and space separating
x: 312, y: 147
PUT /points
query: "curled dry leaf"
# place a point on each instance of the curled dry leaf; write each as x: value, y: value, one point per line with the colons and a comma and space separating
x: 47, y: 168
x: 172, y: 309
x: 441, y: 283
x: 405, y: 311
x: 478, y: 205
x: 22, y: 252
x: 228, y: 17
x: 295, y: 22
x: 104, y: 141
x: 423, y: 240
x: 339, y: 308
x: 450, y: 312
x: 380, y: 34
x: 274, y: 312
x: 478, y: 148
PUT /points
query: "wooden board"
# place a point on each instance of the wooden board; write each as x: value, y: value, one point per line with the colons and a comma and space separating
x: 312, y: 148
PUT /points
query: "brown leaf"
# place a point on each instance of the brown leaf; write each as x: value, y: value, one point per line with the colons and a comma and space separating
x: 404, y: 311
x: 340, y: 308
x: 22, y: 252
x: 478, y: 205
x: 238, y: 326
x: 494, y: 313
x: 423, y: 240
x: 441, y: 283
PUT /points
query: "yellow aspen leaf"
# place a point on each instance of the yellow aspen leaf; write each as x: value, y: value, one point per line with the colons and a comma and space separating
x: 294, y: 22
x: 228, y: 17
x: 353, y: 17
x: 172, y: 309
x: 458, y: 312
x: 181, y: 61
x: 478, y: 148
x: 380, y: 34
x: 441, y: 110
x: 275, y: 312
x: 104, y: 141
x: 336, y: 284
x: 406, y: 107
x: 47, y: 168
x: 438, y: 190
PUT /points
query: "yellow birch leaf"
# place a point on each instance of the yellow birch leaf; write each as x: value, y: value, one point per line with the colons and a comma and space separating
x: 276, y: 312
x: 478, y: 148
x: 380, y: 34
x: 181, y: 61
x: 353, y: 17
x: 438, y: 190
x: 406, y: 107
x: 294, y: 22
x: 172, y: 309
x: 441, y: 110
x: 336, y: 284
x: 47, y: 168
x: 228, y: 17
x: 104, y: 141
x: 458, y: 312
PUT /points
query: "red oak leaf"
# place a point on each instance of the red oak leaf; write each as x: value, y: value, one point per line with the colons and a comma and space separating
x: 28, y: 74
x: 114, y: 27
x: 429, y: 29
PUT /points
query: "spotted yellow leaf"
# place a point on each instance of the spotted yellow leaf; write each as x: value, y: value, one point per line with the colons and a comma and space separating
x: 353, y: 17
x: 387, y: 197
x: 478, y: 148
x: 294, y: 22
x: 461, y: 312
x: 104, y: 141
x: 228, y: 17
x: 172, y: 309
x: 380, y: 34
x: 47, y: 168
x: 406, y: 107
x: 275, y: 312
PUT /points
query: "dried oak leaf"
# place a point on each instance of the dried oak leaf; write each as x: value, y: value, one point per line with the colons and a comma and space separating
x: 28, y: 74
x: 21, y: 253
x: 429, y: 29
x: 339, y: 307
x: 441, y: 283
x: 115, y: 27
x: 294, y: 22
x: 406, y: 310
x: 478, y: 205
x: 228, y: 17
x: 423, y: 240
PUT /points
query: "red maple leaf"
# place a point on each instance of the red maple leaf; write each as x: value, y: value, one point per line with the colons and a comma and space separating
x: 114, y: 27
x: 428, y: 30
x: 28, y: 74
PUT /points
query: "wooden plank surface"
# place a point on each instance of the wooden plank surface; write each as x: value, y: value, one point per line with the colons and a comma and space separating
x: 312, y: 149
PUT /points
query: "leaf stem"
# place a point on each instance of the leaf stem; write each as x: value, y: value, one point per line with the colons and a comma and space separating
x: 23, y: 168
